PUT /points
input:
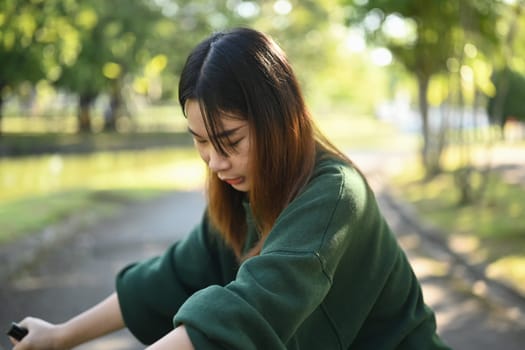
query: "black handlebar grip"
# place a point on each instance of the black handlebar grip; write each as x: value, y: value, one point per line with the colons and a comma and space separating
x: 17, y: 331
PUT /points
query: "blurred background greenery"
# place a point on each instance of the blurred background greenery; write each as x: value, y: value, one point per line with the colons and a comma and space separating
x: 89, y: 120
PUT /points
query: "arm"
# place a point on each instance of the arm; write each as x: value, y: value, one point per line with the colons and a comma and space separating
x: 151, y: 292
x: 176, y: 339
x: 95, y: 322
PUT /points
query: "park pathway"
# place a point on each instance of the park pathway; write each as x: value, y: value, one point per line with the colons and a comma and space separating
x: 79, y: 272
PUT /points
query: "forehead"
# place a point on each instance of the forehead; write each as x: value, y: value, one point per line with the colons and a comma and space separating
x: 197, y: 124
x: 193, y: 112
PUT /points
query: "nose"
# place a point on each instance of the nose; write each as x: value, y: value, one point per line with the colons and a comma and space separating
x: 217, y: 161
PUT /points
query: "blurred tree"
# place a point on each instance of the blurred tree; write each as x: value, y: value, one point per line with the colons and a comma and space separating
x: 36, y: 38
x: 94, y: 47
x: 183, y: 24
x: 305, y: 30
x: 113, y: 36
x: 511, y: 100
x: 510, y: 69
x: 422, y: 37
x: 469, y: 79
x: 313, y: 34
x: 301, y: 27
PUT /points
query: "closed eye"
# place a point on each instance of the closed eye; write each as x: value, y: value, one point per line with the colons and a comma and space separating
x: 200, y: 141
x: 235, y: 143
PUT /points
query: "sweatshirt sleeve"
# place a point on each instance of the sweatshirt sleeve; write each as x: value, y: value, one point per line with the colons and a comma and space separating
x: 150, y: 292
x: 274, y: 292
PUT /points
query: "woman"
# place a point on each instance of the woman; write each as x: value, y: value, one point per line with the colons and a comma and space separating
x: 292, y: 251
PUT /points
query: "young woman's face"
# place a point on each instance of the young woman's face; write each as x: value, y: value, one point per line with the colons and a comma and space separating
x: 233, y: 167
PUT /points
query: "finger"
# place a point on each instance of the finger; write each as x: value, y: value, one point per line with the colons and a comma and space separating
x: 13, y: 340
x: 25, y: 322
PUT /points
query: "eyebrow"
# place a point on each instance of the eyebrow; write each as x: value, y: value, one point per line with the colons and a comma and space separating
x: 223, y: 134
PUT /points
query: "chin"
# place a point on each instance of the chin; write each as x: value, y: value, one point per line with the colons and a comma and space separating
x: 242, y: 187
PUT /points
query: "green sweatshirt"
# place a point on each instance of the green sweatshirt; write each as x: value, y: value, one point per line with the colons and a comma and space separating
x: 330, y: 276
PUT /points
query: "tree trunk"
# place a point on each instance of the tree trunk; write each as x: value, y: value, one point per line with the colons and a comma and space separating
x: 502, y: 85
x: 114, y: 110
x: 1, y: 112
x: 84, y: 112
x: 2, y: 85
x: 430, y: 151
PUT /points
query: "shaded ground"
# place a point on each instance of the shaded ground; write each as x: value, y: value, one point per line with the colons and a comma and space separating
x: 465, y: 321
x: 79, y: 271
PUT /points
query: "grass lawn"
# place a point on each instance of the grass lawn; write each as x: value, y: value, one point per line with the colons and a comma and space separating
x: 36, y: 192
x: 491, y: 231
x: 32, y: 214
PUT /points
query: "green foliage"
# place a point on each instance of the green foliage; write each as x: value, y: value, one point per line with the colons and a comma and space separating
x: 112, y: 33
x: 511, y: 96
x: 95, y: 47
x: 34, y: 37
x: 430, y: 38
x: 424, y: 35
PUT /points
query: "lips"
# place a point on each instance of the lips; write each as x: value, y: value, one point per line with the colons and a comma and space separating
x: 234, y: 181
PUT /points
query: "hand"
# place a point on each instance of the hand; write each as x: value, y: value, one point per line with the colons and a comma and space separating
x: 42, y: 335
x: 101, y: 319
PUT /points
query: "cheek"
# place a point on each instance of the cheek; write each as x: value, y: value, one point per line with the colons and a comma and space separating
x: 202, y: 152
x: 246, y: 157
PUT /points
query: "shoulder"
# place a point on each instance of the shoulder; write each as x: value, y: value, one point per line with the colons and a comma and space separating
x: 330, y: 207
x: 336, y: 191
x: 336, y: 179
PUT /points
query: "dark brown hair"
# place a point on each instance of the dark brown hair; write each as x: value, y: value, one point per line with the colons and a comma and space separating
x: 244, y: 73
